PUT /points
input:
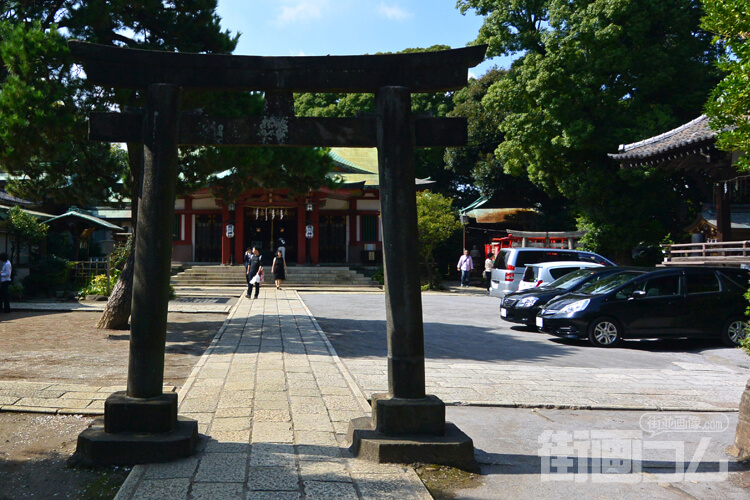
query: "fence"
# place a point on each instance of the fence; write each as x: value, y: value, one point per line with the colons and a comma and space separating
x: 83, y: 271
x: 733, y: 253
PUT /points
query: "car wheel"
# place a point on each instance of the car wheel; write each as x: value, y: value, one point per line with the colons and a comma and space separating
x: 605, y: 332
x: 734, y: 331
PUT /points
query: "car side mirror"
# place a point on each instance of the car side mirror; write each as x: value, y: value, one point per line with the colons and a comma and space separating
x: 637, y: 294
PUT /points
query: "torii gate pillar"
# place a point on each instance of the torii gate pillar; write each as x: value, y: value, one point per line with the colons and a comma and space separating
x: 406, y: 426
x: 141, y: 424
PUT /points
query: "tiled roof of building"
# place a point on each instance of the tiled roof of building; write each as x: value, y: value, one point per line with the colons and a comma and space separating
x: 8, y: 199
x: 361, y: 165
x: 90, y: 219
x: 694, y: 134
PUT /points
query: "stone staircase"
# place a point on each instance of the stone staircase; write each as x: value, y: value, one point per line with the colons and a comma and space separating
x: 217, y: 276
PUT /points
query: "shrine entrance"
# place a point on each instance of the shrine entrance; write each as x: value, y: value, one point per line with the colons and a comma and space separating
x: 207, y: 238
x: 333, y: 239
x: 142, y: 424
x: 266, y: 230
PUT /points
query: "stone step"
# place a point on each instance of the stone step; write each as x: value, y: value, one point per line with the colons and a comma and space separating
x: 290, y: 282
x: 221, y: 276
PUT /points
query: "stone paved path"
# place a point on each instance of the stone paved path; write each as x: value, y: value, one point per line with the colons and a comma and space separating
x: 273, y: 402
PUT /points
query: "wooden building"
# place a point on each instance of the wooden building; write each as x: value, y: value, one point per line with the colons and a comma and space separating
x: 690, y: 149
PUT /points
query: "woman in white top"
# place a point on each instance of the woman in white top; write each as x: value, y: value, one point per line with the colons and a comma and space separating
x: 5, y: 273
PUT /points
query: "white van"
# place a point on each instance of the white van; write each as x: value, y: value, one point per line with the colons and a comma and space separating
x: 510, y: 265
x: 545, y: 273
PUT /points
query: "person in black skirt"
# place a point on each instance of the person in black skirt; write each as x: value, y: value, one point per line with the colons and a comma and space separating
x: 254, y: 272
x: 279, y: 269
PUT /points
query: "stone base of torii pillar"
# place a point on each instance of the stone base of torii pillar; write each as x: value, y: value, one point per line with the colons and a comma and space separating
x: 137, y: 431
x: 410, y: 431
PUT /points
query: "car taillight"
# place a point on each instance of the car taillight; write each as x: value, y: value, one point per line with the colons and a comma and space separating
x: 510, y: 276
x: 538, y: 282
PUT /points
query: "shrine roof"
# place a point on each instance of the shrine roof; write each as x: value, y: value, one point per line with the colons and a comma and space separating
x: 7, y: 198
x: 85, y: 218
x: 693, y: 134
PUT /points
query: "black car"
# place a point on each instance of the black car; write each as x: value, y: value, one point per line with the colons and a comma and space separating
x: 522, y: 306
x: 664, y: 303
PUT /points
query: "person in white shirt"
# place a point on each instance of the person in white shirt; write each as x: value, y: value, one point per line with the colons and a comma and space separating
x: 465, y: 265
x: 489, y: 263
x: 5, y: 273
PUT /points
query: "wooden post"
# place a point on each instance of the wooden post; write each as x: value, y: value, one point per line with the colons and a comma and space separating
x: 153, y: 249
x: 723, y: 212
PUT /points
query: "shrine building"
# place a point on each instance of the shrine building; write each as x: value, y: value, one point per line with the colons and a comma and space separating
x: 324, y: 226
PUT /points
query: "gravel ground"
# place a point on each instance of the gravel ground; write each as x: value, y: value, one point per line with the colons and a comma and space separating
x: 59, y: 347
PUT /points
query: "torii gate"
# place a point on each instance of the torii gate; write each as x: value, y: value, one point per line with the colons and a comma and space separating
x: 407, y: 425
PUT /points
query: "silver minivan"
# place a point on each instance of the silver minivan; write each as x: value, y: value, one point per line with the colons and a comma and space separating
x: 510, y: 264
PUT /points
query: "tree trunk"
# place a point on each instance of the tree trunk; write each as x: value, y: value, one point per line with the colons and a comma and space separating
x: 742, y: 437
x: 117, y: 311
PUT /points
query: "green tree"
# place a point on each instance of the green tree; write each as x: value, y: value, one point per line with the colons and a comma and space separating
x: 59, y: 162
x: 593, y: 74
x: 428, y: 162
x: 23, y: 229
x: 477, y: 168
x: 184, y: 25
x: 43, y: 129
x: 436, y: 223
x: 729, y: 103
x: 729, y: 110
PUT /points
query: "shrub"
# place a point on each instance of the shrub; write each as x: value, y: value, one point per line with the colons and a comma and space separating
x: 120, y: 253
x: 16, y: 291
x: 379, y: 276
x: 48, y: 274
x: 97, y: 286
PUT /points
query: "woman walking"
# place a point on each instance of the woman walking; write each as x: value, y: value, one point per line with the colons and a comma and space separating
x: 254, y: 273
x: 279, y: 269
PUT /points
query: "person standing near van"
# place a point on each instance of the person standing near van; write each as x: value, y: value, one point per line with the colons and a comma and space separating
x: 5, y: 271
x: 465, y: 265
x: 489, y: 263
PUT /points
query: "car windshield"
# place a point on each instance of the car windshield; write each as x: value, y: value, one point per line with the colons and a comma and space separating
x: 570, y: 280
x: 606, y: 285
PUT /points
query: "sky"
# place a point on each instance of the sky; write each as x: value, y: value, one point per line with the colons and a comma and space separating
x: 348, y: 27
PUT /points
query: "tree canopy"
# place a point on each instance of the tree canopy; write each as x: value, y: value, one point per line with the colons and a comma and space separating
x: 43, y: 129
x: 729, y: 104
x: 593, y: 74
x: 428, y: 162
x: 48, y: 149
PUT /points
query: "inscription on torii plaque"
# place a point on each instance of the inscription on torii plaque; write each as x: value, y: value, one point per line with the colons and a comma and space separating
x: 407, y: 425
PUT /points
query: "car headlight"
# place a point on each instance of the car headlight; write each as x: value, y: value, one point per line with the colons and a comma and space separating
x: 527, y: 302
x: 579, y: 305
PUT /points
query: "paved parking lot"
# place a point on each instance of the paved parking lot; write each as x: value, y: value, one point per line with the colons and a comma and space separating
x: 473, y: 357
